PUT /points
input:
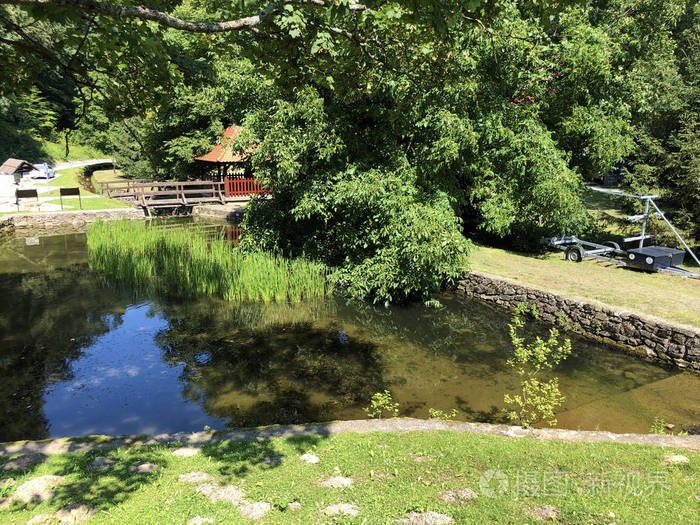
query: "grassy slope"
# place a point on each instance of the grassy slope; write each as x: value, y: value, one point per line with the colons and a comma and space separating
x: 665, y: 296
x: 388, y: 481
x: 68, y: 178
x: 57, y: 152
x: 33, y: 149
x: 106, y: 175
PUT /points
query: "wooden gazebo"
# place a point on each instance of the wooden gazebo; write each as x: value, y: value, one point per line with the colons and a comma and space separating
x: 228, y: 163
x: 232, y: 167
x: 15, y: 166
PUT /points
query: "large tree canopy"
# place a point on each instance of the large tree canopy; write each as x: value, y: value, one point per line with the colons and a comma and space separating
x: 387, y: 130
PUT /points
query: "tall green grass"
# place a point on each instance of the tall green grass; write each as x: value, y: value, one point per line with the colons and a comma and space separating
x: 185, y: 261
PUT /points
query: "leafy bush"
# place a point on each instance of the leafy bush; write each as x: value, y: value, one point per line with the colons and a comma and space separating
x: 538, y: 398
x: 386, y: 238
x: 381, y: 402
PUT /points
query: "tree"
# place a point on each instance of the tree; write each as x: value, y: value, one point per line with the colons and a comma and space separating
x: 387, y: 130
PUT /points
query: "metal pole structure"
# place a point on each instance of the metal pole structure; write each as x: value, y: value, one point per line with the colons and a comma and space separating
x: 644, y: 224
x: 675, y: 232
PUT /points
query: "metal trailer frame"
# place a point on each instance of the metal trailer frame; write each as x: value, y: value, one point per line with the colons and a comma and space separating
x: 648, y: 199
x: 599, y: 251
x: 566, y: 243
x: 603, y: 253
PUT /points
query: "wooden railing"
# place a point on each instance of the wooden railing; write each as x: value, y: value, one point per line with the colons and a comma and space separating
x: 143, y: 189
x: 243, y: 187
x: 233, y: 234
x: 174, y: 194
x: 120, y: 188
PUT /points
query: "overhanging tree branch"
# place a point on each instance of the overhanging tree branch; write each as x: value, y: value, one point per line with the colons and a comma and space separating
x: 167, y: 20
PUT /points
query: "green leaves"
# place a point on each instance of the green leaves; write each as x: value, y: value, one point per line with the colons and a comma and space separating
x: 537, y: 398
x: 381, y: 129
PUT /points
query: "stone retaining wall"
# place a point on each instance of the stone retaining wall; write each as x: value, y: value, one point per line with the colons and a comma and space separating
x: 53, y: 223
x: 229, y: 211
x: 654, y: 339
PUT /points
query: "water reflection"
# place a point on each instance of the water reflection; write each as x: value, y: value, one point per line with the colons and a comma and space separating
x: 39, y: 339
x: 291, y: 372
x: 121, y: 385
x: 79, y: 356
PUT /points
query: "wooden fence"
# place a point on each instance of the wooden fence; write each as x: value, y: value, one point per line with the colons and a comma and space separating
x: 120, y: 188
x: 243, y: 187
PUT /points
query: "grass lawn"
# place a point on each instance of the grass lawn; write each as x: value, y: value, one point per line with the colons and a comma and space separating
x: 97, y: 203
x: 71, y: 178
x: 57, y: 152
x: 106, y: 175
x: 392, y: 475
x: 68, y: 178
x: 665, y: 296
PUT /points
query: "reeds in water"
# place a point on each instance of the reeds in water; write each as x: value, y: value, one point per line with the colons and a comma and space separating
x: 184, y: 261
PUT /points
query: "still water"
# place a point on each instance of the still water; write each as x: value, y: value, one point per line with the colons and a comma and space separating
x: 79, y: 356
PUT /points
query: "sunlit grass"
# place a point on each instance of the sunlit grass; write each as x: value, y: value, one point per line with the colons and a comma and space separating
x: 57, y: 151
x: 186, y: 261
x: 96, y: 203
x: 669, y: 297
x: 393, y: 475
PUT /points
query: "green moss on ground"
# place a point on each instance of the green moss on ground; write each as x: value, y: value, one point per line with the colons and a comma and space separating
x: 393, y: 474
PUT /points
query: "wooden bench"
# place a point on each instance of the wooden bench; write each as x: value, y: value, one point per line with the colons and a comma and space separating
x: 27, y: 194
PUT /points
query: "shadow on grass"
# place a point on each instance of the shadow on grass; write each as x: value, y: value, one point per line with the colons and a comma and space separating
x: 238, y: 458
x: 103, y: 489
x: 38, y: 459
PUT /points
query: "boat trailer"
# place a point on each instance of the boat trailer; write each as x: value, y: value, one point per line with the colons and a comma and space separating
x: 649, y: 258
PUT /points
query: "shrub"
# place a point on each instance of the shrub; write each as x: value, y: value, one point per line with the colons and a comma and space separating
x: 381, y: 402
x: 538, y: 398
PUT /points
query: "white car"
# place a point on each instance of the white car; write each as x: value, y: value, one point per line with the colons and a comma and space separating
x: 43, y: 171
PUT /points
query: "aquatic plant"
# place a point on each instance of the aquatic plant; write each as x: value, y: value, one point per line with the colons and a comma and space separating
x: 436, y: 413
x: 381, y: 402
x: 186, y: 261
x: 537, y: 399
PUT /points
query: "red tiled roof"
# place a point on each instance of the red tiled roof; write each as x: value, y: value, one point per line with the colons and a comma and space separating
x: 223, y: 152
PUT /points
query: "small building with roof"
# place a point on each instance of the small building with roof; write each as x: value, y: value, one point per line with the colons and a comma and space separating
x: 16, y: 166
x: 222, y: 157
x: 223, y: 164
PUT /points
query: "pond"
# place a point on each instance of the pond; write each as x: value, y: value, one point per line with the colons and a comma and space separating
x: 80, y: 356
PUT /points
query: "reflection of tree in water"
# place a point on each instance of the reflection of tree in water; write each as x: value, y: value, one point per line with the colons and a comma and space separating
x: 289, y: 372
x: 45, y: 321
x: 464, y: 330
